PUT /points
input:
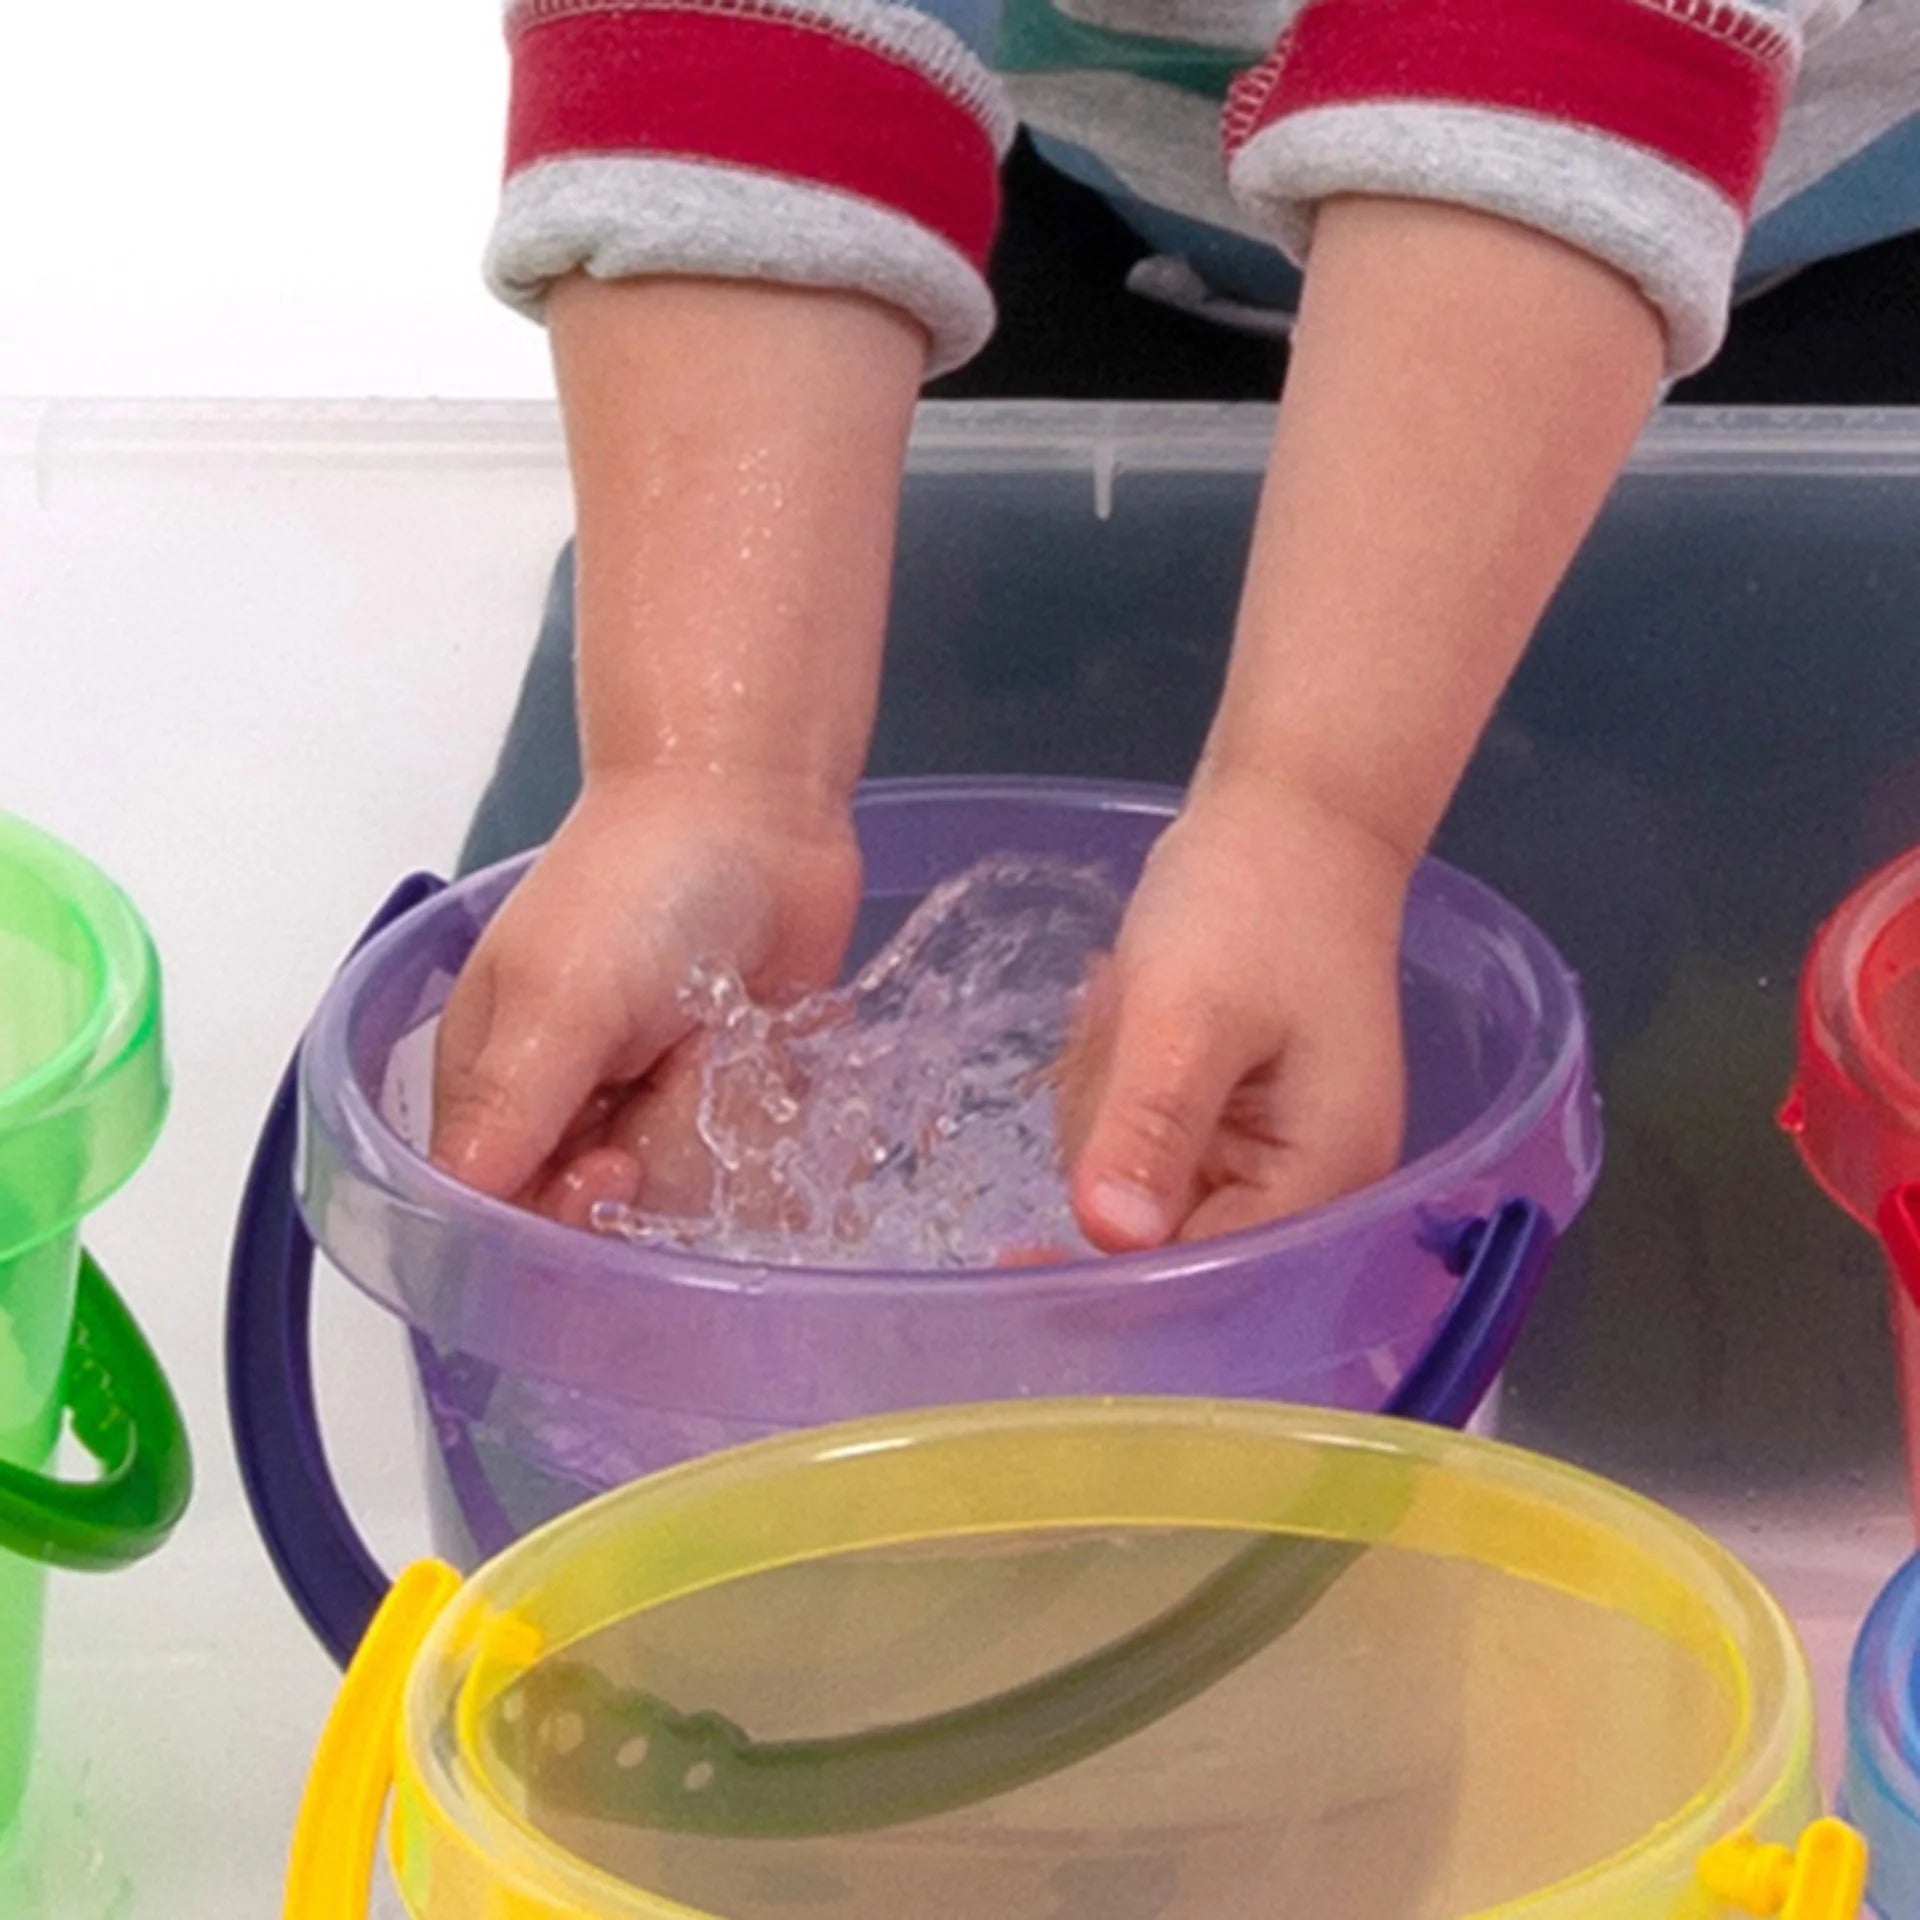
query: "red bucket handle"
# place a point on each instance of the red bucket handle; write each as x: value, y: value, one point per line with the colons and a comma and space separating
x: 1900, y: 1235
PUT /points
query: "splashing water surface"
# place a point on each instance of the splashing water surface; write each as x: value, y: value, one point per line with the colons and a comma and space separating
x: 906, y: 1119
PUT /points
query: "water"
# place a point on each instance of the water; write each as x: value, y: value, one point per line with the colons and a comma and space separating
x: 906, y: 1119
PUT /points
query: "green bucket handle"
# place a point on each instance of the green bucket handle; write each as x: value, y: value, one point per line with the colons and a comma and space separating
x: 123, y: 1412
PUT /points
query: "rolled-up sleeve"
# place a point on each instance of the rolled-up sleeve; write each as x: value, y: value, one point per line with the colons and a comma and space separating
x: 1637, y: 130
x: 852, y: 144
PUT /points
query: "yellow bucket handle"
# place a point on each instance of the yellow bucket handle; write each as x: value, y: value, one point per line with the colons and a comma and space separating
x: 335, y: 1838
x: 1824, y: 1878
x: 330, y: 1872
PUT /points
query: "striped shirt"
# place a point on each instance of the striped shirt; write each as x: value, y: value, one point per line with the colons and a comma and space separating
x: 1704, y: 148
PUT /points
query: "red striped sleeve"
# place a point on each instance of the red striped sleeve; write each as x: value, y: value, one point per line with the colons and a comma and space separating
x: 1700, y: 82
x: 766, y: 91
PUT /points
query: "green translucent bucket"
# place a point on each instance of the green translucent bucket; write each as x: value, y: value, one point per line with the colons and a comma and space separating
x: 83, y: 1090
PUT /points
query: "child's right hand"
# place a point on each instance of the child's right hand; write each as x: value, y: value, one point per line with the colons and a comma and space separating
x: 555, y: 1081
x: 736, y: 451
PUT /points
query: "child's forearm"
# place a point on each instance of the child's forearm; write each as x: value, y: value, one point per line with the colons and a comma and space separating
x: 736, y: 452
x: 1461, y: 395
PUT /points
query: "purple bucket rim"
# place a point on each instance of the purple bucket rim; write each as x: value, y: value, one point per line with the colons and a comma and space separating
x: 408, y: 1181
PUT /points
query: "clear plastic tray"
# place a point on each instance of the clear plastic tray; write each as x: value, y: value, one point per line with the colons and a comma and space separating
x: 294, y: 632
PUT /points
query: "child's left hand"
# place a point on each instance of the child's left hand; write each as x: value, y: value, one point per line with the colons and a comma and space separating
x: 1460, y: 393
x: 1239, y: 1059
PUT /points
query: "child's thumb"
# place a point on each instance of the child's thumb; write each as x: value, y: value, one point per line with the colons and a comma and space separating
x: 1171, y: 1068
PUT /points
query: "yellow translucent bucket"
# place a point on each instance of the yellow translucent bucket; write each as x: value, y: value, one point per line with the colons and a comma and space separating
x: 1115, y: 1659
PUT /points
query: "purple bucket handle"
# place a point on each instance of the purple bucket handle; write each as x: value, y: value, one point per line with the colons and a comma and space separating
x: 327, y: 1568
x: 317, y: 1551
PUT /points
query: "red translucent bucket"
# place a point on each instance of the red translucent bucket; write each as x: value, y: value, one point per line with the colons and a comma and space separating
x: 1855, y: 1107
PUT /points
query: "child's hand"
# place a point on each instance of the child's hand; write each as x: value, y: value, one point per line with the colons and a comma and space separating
x: 1240, y: 1057
x: 572, y: 999
x: 736, y: 451
x: 1460, y: 393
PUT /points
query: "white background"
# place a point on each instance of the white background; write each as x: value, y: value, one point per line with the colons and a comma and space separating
x: 253, y: 197
x: 255, y: 665
x: 256, y: 684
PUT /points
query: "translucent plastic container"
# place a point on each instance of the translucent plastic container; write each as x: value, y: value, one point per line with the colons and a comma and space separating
x: 553, y: 1366
x: 1184, y: 1659
x: 1711, y: 739
x: 1855, y: 1105
x: 82, y: 1095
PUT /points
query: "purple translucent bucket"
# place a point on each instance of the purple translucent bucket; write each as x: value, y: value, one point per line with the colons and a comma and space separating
x: 553, y: 1366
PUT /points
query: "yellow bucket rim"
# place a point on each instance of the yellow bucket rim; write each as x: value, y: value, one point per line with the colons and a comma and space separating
x: 970, y: 1470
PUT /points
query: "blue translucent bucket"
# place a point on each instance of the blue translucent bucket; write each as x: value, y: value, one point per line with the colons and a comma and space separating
x: 1880, y: 1789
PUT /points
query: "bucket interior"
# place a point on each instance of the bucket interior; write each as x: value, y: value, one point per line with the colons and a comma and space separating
x: 1495, y: 1036
x: 1515, y: 1681
x: 1488, y: 1010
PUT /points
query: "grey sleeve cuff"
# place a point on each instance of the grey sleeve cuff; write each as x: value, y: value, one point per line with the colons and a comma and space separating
x: 1666, y: 229
x: 626, y: 216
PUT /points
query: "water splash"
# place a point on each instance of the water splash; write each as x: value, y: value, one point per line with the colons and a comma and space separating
x: 906, y: 1119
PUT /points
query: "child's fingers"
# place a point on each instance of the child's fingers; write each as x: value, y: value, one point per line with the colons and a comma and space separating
x: 1323, y: 1122
x: 514, y: 1065
x: 591, y: 1125
x: 1173, y: 1061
